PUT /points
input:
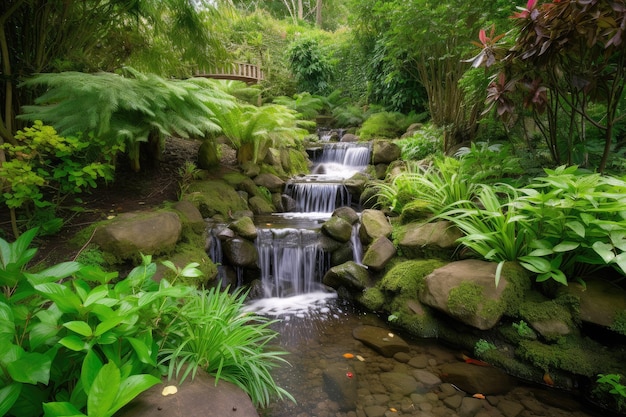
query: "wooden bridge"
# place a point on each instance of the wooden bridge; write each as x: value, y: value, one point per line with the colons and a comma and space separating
x: 248, y: 73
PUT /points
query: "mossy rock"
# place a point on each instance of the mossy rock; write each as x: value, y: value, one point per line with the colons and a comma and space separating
x: 184, y: 255
x: 294, y: 161
x: 415, y: 211
x: 372, y: 299
x: 408, y: 277
x: 575, y: 354
x: 414, y: 317
x: 213, y: 197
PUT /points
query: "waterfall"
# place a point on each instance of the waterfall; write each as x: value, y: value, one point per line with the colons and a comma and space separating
x: 291, y: 261
x: 357, y: 246
x: 312, y: 197
x: 323, y: 191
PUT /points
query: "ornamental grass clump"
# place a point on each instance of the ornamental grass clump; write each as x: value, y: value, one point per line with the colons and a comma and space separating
x: 213, y: 332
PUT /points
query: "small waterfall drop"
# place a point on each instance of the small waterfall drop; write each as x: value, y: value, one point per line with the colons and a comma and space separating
x: 323, y: 191
x: 291, y: 261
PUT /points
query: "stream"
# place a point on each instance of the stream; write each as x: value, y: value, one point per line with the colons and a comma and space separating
x: 332, y: 374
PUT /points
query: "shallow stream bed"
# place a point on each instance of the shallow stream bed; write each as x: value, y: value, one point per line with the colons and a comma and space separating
x: 321, y: 341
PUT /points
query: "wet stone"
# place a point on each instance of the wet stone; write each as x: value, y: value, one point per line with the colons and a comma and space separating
x: 510, y: 408
x: 375, y: 411
x: 426, y: 378
x: 402, y: 357
x: 399, y: 383
x: 419, y: 362
x: 469, y: 407
x: 453, y: 401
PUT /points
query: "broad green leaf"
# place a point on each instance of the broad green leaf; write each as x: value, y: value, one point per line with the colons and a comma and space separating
x: 61, y: 409
x: 96, y: 294
x: 566, y: 246
x: 577, y: 227
x: 80, y: 327
x: 559, y: 276
x: 142, y: 350
x: 74, y: 343
x: 534, y: 264
x: 55, y: 273
x: 95, y: 274
x: 31, y: 368
x: 132, y: 387
x: 8, y: 396
x: 108, y: 324
x: 605, y: 250
x: 540, y: 244
x: 541, y: 252
x: 107, y: 338
x: 620, y: 260
x: 499, y: 272
x: 7, y: 321
x: 63, y: 297
x: 43, y: 333
x: 103, y: 392
x: 89, y: 370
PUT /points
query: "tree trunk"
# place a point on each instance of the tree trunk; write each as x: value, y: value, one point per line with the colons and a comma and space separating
x: 300, y: 10
x: 318, y: 14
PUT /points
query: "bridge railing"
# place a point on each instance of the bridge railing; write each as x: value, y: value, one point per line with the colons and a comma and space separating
x: 235, y: 71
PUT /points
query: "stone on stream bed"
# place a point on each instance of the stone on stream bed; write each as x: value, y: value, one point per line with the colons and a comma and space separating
x: 381, y: 340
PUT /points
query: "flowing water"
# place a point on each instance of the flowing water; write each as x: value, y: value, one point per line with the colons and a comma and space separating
x: 315, y: 326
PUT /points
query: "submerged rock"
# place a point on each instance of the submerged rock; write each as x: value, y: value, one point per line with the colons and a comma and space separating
x: 381, y: 340
x: 473, y: 379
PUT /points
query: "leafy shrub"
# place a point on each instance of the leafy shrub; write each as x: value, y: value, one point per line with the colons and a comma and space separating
x: 574, y: 223
x: 609, y: 385
x: 387, y: 125
x: 307, y: 105
x: 75, y: 340
x: 44, y: 168
x: 424, y: 143
x: 490, y: 163
x: 310, y: 66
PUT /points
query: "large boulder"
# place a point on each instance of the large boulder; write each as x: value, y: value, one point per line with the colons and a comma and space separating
x: 385, y: 152
x: 245, y: 228
x: 337, y: 228
x: 190, y: 215
x: 381, y: 340
x: 350, y: 275
x: 260, y: 205
x: 270, y: 181
x: 374, y: 224
x: 214, y: 197
x: 200, y: 397
x: 240, y: 252
x: 600, y: 301
x: 130, y: 234
x: 347, y: 213
x: 466, y: 290
x: 423, y: 240
x: 379, y: 253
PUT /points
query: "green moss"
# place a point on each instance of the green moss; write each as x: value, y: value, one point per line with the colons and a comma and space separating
x: 573, y: 353
x: 537, y: 311
x: 415, y: 210
x: 619, y: 323
x: 408, y: 277
x: 465, y: 299
x: 518, y: 285
x: 421, y: 323
x: 372, y: 298
x: 511, y: 365
x: 296, y: 161
x: 234, y: 178
x: 187, y: 253
x: 215, y: 197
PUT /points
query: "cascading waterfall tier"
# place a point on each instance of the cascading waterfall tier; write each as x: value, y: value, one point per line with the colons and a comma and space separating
x: 291, y: 261
x: 323, y: 191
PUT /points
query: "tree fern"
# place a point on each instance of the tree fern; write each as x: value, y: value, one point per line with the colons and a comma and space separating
x: 126, y: 109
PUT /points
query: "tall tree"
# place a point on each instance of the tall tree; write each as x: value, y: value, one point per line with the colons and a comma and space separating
x: 426, y: 41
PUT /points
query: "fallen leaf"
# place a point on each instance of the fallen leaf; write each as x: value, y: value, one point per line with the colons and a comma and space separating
x: 169, y: 390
